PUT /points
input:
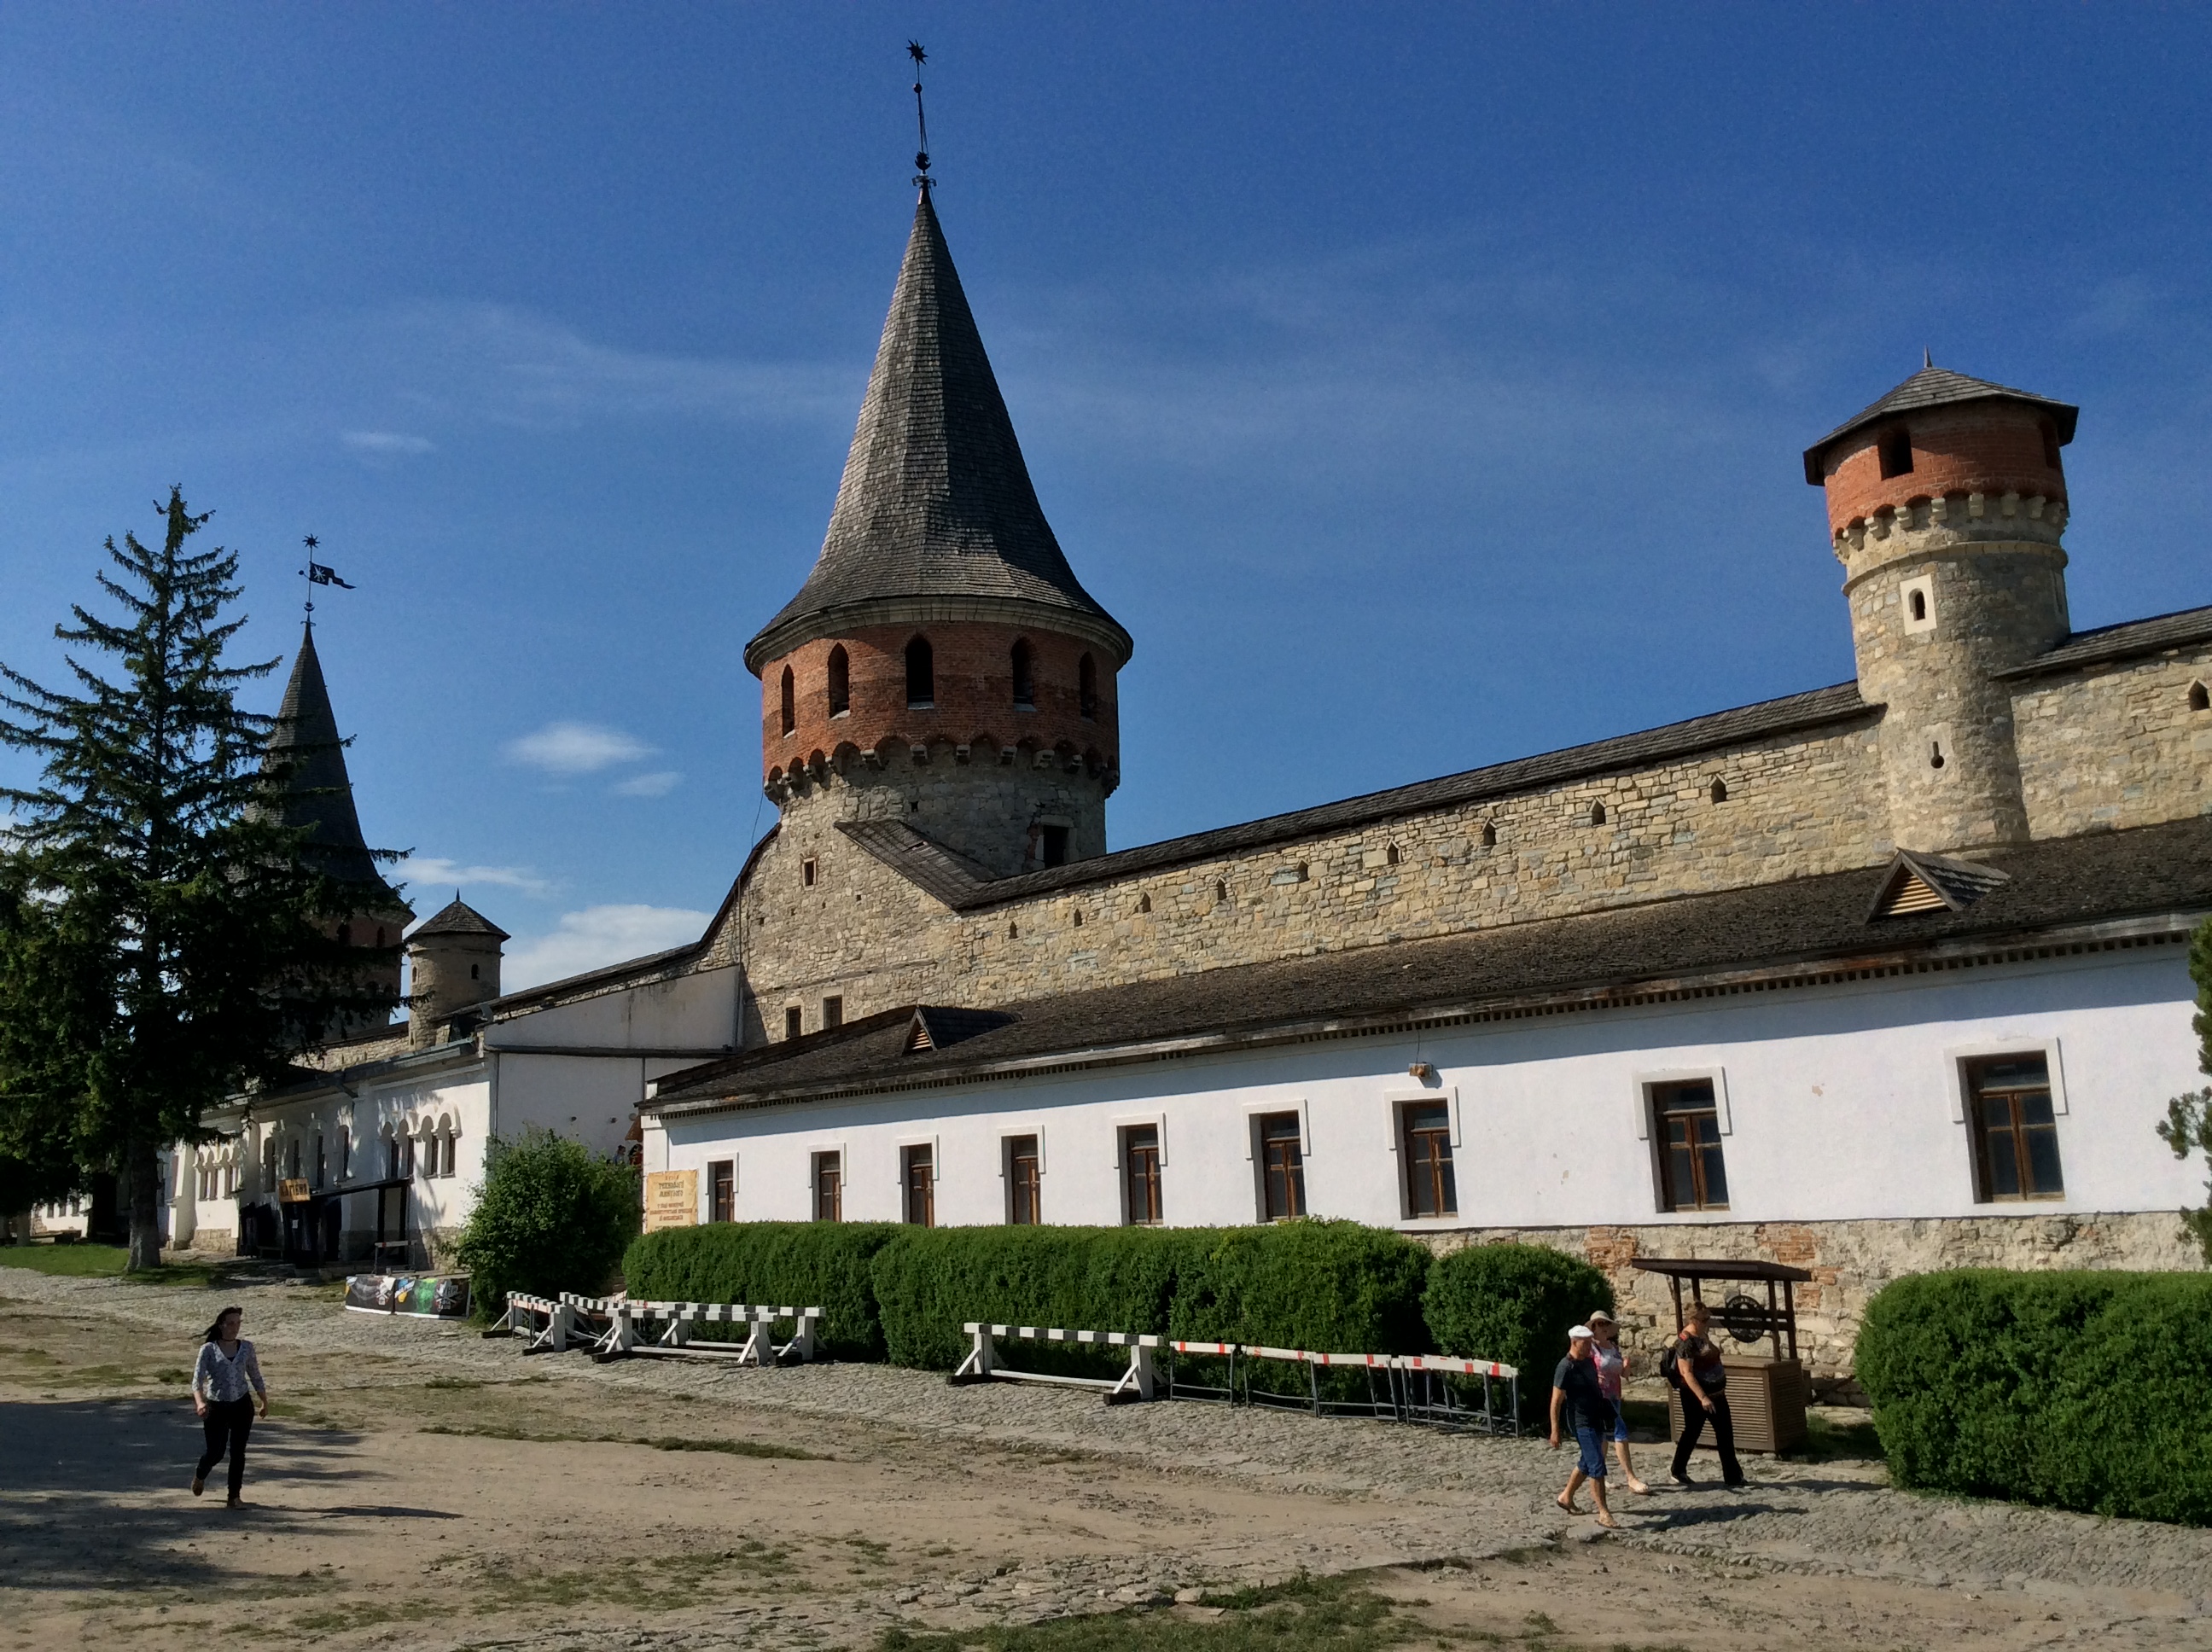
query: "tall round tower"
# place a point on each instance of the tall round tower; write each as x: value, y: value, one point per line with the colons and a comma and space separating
x: 1947, y: 504
x: 942, y: 666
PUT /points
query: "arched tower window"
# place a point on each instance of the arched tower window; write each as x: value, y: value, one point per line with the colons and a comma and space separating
x: 790, y: 701
x: 920, y: 674
x: 1597, y: 814
x: 1489, y: 835
x: 840, y: 681
x: 2199, y: 699
x: 1086, y: 686
x: 1024, y: 675
x: 1720, y: 790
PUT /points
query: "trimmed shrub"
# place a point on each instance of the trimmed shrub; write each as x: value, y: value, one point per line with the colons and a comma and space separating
x: 824, y: 1264
x: 550, y: 1216
x: 1514, y: 1304
x: 1332, y: 1287
x: 931, y: 1280
x: 2077, y: 1390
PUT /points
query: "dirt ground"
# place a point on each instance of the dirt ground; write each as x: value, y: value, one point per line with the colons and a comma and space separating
x: 419, y: 1487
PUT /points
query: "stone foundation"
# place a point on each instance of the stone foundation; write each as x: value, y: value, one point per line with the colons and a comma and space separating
x: 1850, y: 1262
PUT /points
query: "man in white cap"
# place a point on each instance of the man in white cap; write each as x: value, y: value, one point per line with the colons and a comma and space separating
x: 1576, y: 1393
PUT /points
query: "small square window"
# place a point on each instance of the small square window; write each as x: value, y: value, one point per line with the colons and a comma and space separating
x: 1140, y: 1174
x: 918, y: 1176
x: 2015, y: 1133
x: 1282, y: 1167
x: 722, y: 1190
x: 833, y: 1013
x: 1896, y: 452
x: 1686, y: 1120
x: 829, y: 1186
x: 1024, y: 1182
x: 794, y: 1020
x: 1424, y: 1143
x: 1053, y: 845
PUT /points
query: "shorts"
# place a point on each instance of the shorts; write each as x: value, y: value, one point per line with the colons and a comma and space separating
x: 1620, y: 1427
x: 1592, y: 1462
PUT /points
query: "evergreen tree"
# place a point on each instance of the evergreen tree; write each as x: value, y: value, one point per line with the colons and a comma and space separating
x: 2187, y: 1124
x: 164, y: 943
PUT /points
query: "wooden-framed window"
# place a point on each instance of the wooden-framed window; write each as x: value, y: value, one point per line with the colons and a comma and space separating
x: 2016, y: 1133
x: 446, y: 1154
x: 794, y: 1020
x: 1425, y: 1143
x: 1282, y: 1167
x: 829, y: 1187
x: 1685, y: 1121
x: 1024, y: 1182
x: 1140, y: 1174
x: 918, y: 1174
x: 833, y: 1013
x: 722, y: 1190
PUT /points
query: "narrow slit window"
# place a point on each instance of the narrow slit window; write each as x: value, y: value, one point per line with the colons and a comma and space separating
x: 722, y: 1190
x: 1024, y: 678
x: 1597, y: 814
x: 829, y: 1187
x: 1895, y: 448
x: 1489, y: 835
x: 1144, y: 903
x: 1024, y: 1182
x: 1425, y: 1131
x: 1140, y: 1174
x: 794, y: 1020
x: 1918, y: 602
x: 1052, y: 846
x: 840, y: 681
x: 2016, y: 1133
x: 1692, y: 1175
x: 918, y: 1176
x: 1086, y: 687
x: 790, y: 699
x: 1720, y: 790
x: 1936, y: 757
x: 1282, y: 1167
x: 920, y: 675
x: 808, y: 871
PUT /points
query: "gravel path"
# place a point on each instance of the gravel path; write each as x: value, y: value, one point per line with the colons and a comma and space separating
x: 1446, y: 1497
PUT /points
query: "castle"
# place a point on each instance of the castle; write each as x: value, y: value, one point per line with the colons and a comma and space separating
x: 1878, y: 976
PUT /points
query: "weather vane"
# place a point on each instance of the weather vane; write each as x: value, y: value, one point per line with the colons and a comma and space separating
x: 922, y: 179
x: 317, y: 574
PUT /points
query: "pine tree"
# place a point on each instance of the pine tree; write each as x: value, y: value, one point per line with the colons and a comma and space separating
x: 164, y: 944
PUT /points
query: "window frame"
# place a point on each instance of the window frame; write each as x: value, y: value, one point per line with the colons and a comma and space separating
x: 1296, y: 1202
x: 794, y: 1022
x: 1648, y: 1087
x: 722, y: 1189
x: 816, y: 1157
x: 927, y: 1162
x: 1008, y: 1159
x: 833, y: 1011
x: 1126, y: 1150
x: 1965, y: 1060
x: 1395, y: 1102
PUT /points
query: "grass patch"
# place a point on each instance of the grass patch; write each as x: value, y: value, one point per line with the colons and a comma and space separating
x: 658, y: 1442
x: 1831, y: 1441
x: 1304, y: 1615
x: 72, y: 1261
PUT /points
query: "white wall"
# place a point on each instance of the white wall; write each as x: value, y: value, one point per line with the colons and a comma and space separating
x: 693, y: 1011
x: 1842, y: 1103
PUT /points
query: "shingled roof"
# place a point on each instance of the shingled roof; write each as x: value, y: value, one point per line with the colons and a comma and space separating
x: 457, y: 917
x: 2129, y: 640
x: 2108, y: 888
x: 318, y: 793
x: 1934, y: 386
x: 936, y: 506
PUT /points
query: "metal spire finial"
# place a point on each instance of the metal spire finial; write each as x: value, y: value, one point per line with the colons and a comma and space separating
x: 317, y: 574
x: 1927, y: 356
x: 922, y: 179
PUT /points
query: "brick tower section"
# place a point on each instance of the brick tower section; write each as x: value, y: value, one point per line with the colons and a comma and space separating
x: 942, y: 666
x: 1947, y: 504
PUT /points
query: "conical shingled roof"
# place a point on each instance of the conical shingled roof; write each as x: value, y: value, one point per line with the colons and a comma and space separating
x: 936, y: 515
x: 456, y: 917
x: 318, y: 793
x: 1934, y: 386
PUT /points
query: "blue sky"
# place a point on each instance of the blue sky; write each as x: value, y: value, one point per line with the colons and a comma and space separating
x: 1421, y: 386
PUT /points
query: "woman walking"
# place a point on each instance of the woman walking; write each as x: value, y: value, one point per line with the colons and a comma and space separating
x: 1703, y: 1381
x: 226, y: 1391
x: 1576, y: 1392
x: 1611, y: 1366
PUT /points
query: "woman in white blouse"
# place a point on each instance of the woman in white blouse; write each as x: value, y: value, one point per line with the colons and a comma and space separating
x: 226, y: 1375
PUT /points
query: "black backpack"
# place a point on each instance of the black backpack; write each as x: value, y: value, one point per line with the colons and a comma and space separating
x: 1670, y: 1363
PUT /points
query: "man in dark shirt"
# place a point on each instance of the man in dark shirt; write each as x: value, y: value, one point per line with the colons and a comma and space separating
x: 1578, y: 1394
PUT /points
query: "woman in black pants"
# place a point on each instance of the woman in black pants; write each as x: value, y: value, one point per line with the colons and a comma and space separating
x: 1705, y: 1396
x: 227, y: 1374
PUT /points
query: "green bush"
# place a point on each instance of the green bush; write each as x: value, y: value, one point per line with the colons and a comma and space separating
x: 822, y: 1264
x: 550, y: 1216
x: 2077, y: 1390
x: 1513, y: 1305
x: 1332, y: 1287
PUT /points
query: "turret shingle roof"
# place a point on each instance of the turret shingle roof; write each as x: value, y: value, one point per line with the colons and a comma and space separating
x: 318, y: 793
x: 1934, y: 386
x: 456, y: 917
x: 936, y: 504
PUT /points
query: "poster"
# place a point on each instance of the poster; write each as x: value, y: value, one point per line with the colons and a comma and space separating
x: 444, y: 1296
x: 671, y: 1199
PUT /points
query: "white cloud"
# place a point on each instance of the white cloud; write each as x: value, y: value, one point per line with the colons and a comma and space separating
x: 386, y: 441
x: 598, y: 936
x: 576, y: 748
x: 431, y: 872
x: 658, y: 784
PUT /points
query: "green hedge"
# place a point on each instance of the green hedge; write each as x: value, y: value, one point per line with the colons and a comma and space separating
x: 822, y: 1264
x: 1333, y: 1287
x: 1513, y: 1305
x: 2082, y: 1391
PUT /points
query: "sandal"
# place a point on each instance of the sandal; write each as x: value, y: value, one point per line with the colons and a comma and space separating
x: 1639, y: 1488
x: 1566, y: 1503
x: 1609, y: 1522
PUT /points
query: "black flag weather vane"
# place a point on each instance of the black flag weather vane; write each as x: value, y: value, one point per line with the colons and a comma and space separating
x: 922, y: 179
x: 317, y: 573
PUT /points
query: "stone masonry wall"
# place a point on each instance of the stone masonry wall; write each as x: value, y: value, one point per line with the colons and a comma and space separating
x: 1850, y: 1262
x: 2120, y: 746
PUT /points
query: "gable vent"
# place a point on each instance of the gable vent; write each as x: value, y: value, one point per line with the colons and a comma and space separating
x: 936, y: 1026
x: 1928, y: 882
x: 1910, y: 893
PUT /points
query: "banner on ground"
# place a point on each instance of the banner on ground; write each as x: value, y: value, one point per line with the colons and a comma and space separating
x: 426, y: 1295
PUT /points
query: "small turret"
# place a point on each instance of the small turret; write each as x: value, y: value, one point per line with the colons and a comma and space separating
x: 1947, y: 504
x: 455, y: 959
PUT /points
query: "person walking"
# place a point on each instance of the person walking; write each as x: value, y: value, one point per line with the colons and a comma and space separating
x: 1611, y: 1367
x: 1703, y: 1380
x: 227, y: 1392
x: 1577, y: 1394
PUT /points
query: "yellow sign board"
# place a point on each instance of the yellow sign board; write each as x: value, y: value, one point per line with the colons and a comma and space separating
x: 292, y: 1190
x: 671, y: 1199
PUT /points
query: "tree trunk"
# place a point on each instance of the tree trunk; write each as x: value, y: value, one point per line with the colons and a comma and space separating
x: 142, y: 1170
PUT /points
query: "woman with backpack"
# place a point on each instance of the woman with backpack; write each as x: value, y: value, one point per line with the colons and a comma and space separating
x: 1692, y: 1364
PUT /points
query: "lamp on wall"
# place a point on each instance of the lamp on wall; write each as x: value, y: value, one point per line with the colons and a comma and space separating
x: 1424, y: 1071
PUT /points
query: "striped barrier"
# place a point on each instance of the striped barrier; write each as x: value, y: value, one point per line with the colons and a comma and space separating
x: 1314, y: 1364
x: 1427, y: 1393
x: 760, y: 1347
x: 522, y: 1317
x: 983, y: 1365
